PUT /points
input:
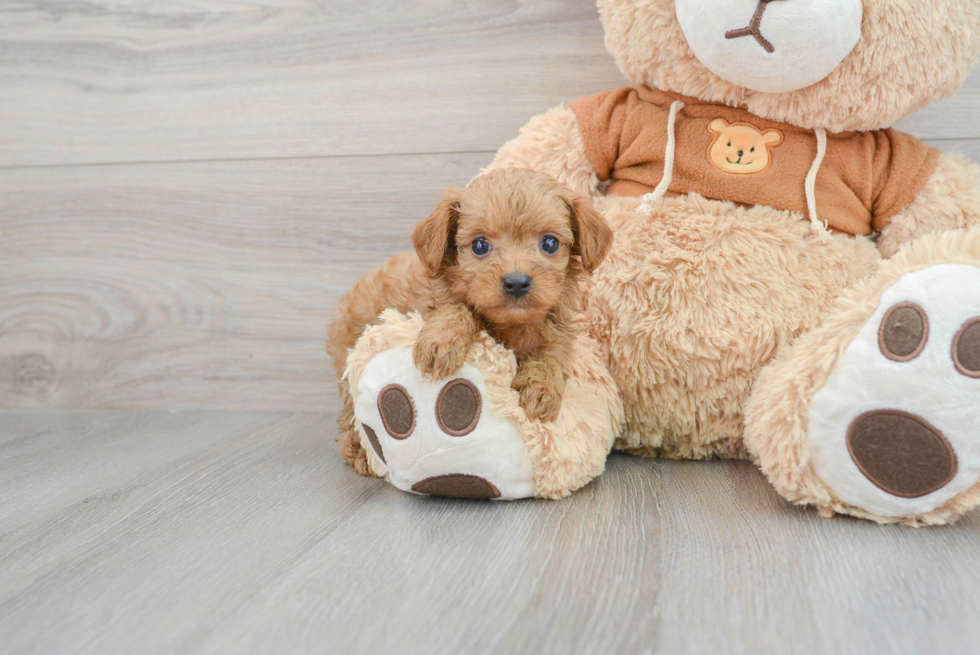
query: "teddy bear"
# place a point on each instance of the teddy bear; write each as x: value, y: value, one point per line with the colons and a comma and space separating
x: 791, y: 280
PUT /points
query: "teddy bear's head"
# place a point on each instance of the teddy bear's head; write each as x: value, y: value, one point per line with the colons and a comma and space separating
x: 836, y: 64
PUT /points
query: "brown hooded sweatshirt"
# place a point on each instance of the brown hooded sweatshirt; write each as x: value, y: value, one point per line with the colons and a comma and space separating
x: 726, y: 153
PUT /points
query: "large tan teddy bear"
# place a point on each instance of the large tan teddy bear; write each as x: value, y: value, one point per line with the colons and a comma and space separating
x: 791, y: 280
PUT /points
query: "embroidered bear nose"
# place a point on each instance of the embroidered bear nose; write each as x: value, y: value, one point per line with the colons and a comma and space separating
x: 741, y: 152
x: 754, y: 28
x: 517, y: 284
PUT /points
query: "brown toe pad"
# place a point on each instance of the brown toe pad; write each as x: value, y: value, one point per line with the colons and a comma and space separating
x: 458, y: 407
x: 375, y: 442
x: 901, y: 453
x: 397, y: 411
x: 904, y: 332
x: 966, y: 349
x: 457, y: 486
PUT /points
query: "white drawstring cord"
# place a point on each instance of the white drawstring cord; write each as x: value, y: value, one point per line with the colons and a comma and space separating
x: 650, y: 199
x: 810, y: 187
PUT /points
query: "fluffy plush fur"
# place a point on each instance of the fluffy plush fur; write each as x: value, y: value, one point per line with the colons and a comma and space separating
x: 552, y: 143
x: 692, y: 303
x: 461, y: 292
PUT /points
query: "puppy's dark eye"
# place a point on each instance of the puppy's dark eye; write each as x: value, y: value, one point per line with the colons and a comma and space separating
x: 480, y: 246
x: 550, y: 244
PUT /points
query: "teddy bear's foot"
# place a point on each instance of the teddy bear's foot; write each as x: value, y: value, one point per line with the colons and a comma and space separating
x: 439, y: 438
x: 467, y: 436
x: 892, y: 427
x: 896, y: 428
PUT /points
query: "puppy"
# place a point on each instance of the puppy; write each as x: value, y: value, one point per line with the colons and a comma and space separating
x: 505, y: 255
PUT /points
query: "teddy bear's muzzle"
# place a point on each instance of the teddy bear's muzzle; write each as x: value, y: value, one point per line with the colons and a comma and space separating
x: 777, y: 46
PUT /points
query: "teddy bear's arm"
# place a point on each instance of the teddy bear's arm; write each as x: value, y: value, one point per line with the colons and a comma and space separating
x: 950, y: 200
x: 552, y: 143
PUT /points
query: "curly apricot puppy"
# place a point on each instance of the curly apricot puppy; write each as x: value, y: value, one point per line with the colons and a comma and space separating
x: 504, y: 255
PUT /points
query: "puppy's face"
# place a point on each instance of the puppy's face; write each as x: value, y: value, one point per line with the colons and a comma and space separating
x: 513, y: 253
x: 514, y: 242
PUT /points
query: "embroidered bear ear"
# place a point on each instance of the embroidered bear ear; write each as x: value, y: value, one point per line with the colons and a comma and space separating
x: 772, y: 138
x: 719, y: 125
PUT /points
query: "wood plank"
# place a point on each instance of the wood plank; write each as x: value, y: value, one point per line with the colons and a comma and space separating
x: 261, y: 540
x: 54, y: 459
x: 215, y: 79
x: 225, y: 79
x: 194, y: 286
x: 746, y: 562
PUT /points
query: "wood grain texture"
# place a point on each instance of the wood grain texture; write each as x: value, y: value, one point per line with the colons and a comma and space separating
x: 215, y: 533
x: 205, y: 285
x: 100, y: 81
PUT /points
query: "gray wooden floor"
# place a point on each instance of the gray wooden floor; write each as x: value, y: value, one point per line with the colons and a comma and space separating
x: 148, y: 532
x: 186, y: 188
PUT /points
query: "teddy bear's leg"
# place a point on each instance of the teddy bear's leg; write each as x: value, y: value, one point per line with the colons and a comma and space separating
x: 876, y: 413
x: 466, y: 436
x: 694, y: 299
x: 552, y: 143
x: 950, y: 200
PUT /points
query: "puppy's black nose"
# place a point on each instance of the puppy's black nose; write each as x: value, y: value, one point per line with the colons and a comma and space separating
x: 517, y: 284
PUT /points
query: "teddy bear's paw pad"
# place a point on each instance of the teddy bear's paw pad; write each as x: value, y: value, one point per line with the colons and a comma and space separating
x: 457, y: 486
x: 896, y: 429
x: 901, y: 453
x: 439, y: 438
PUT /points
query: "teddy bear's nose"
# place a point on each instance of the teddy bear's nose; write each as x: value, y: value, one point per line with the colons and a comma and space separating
x: 741, y: 152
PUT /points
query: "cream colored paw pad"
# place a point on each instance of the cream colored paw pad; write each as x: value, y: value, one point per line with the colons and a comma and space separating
x: 439, y: 438
x: 896, y: 429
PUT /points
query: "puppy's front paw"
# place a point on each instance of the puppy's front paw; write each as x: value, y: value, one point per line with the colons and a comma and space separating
x: 541, y: 393
x: 438, y: 355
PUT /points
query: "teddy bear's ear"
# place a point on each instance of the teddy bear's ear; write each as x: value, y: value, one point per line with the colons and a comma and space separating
x: 435, y: 237
x: 772, y: 137
x: 718, y: 126
x: 592, y: 233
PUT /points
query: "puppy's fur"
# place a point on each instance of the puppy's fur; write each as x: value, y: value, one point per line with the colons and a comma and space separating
x: 461, y: 293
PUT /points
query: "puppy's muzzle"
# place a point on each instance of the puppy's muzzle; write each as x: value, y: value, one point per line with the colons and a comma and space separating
x: 517, y: 285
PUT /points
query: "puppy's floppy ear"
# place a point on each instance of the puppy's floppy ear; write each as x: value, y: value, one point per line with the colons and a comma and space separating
x: 592, y: 233
x: 435, y: 237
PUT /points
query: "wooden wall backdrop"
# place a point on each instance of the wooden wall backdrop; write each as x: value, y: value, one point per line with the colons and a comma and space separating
x: 187, y: 187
